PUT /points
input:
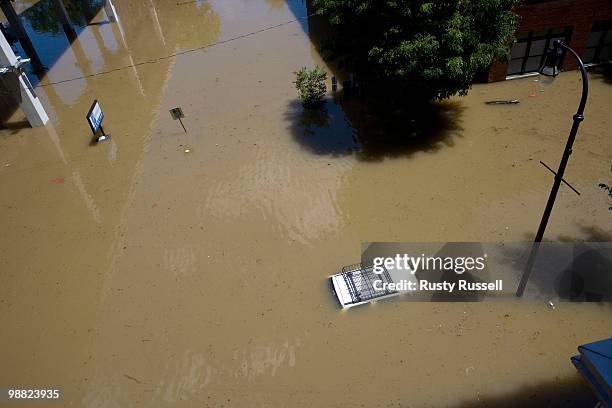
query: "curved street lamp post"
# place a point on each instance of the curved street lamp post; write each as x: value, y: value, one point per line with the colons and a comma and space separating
x: 551, y: 69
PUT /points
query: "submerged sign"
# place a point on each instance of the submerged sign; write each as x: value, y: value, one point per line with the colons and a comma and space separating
x: 95, y: 116
x: 177, y: 113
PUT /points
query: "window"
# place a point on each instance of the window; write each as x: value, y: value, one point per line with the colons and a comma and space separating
x: 527, y: 54
x: 599, y: 45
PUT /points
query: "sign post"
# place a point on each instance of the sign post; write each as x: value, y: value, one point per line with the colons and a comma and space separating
x: 94, y: 118
x: 177, y: 113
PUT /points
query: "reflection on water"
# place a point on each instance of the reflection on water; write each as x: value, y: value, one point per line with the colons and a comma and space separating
x: 94, y: 45
x: 189, y: 375
x: 42, y: 18
x: 297, y: 8
x: 186, y: 25
x: 45, y: 32
x: 76, y: 220
x: 157, y: 278
x: 276, y: 4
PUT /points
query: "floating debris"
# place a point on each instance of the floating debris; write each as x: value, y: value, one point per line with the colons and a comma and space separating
x: 129, y: 377
x: 503, y: 102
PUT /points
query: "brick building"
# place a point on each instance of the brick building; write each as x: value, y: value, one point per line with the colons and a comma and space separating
x: 586, y: 25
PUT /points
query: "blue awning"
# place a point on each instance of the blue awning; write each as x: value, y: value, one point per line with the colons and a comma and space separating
x: 595, y: 365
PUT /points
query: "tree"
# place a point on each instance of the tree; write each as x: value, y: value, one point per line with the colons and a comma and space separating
x: 420, y: 49
x: 311, y: 86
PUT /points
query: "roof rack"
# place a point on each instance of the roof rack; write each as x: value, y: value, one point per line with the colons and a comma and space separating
x: 355, y: 284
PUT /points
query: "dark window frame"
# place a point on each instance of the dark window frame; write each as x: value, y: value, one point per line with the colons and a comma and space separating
x: 550, y: 34
x: 605, y: 27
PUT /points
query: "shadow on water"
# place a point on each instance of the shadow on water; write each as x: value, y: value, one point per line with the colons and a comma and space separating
x: 576, y: 271
x: 603, y: 72
x: 8, y: 103
x: 324, y: 131
x: 346, y: 126
x: 591, y: 233
x: 587, y: 279
x: 555, y: 393
x: 10, y: 98
x: 353, y: 123
x: 589, y: 276
x: 15, y: 127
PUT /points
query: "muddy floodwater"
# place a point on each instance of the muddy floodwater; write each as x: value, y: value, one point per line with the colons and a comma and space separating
x: 164, y: 268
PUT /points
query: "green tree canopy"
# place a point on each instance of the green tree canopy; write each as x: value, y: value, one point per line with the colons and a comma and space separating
x: 423, y: 49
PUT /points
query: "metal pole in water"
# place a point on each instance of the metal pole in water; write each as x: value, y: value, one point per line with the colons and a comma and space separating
x: 578, y: 118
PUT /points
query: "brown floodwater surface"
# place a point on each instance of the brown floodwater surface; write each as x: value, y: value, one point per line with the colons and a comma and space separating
x: 164, y: 268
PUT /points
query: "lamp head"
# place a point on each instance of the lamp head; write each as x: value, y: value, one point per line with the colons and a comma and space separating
x: 552, y: 60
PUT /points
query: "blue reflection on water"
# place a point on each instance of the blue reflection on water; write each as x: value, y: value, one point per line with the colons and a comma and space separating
x: 46, y: 34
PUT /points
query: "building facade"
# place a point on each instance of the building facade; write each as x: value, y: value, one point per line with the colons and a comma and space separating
x: 586, y: 25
